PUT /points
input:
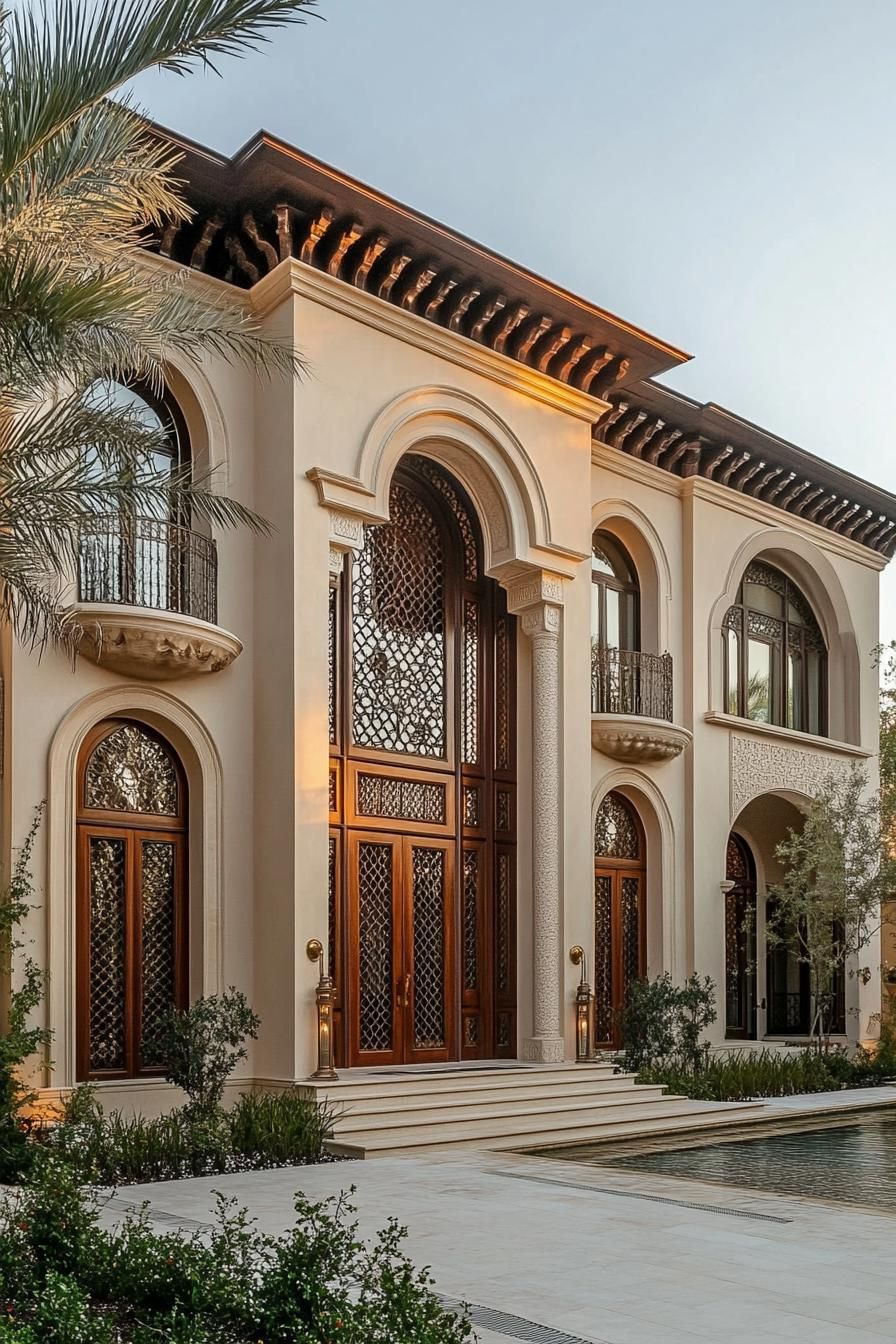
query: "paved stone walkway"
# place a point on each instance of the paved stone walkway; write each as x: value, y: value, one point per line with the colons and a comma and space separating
x: 599, y: 1255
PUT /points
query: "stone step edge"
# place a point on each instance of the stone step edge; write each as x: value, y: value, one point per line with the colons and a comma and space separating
x: 682, y: 1123
x: 553, y: 1122
x: 453, y: 1083
x: 411, y: 1118
x: 610, y: 1087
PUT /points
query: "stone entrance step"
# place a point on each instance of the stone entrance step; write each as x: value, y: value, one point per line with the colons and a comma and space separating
x: 393, y: 1111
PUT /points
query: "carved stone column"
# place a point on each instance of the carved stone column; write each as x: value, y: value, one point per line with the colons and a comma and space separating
x: 537, y: 599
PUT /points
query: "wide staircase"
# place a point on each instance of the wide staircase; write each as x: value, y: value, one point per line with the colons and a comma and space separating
x: 398, y: 1110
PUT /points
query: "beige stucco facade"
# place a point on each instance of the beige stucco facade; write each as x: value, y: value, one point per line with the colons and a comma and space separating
x: 315, y: 457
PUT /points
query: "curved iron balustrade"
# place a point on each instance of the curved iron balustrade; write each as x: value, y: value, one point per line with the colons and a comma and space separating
x: 624, y: 682
x: 148, y: 562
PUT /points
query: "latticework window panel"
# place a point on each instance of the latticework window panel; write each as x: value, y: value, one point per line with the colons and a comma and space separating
x: 400, y: 799
x: 451, y: 493
x: 472, y: 814
x: 471, y: 919
x: 470, y: 683
x: 159, y: 967
x: 630, y: 932
x: 398, y: 629
x: 736, y: 865
x: 107, y: 1002
x: 428, y: 896
x: 503, y: 725
x: 603, y: 958
x: 332, y: 664
x: 616, y: 833
x: 375, y: 945
x: 130, y: 771
x: 503, y: 897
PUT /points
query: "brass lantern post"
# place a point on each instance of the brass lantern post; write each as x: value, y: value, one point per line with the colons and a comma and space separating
x: 325, y: 1001
x: 584, y: 1010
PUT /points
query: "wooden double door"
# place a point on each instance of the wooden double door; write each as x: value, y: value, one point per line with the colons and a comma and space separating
x: 422, y: 788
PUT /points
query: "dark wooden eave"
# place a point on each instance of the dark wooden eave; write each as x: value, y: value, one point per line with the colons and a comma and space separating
x: 656, y: 425
x: 270, y: 202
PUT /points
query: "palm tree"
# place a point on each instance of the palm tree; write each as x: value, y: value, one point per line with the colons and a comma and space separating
x: 83, y: 181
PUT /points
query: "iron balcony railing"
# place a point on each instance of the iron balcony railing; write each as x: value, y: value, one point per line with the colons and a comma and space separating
x: 148, y: 562
x: 624, y: 682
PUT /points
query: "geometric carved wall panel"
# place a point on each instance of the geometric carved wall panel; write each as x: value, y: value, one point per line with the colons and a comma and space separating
x: 759, y: 767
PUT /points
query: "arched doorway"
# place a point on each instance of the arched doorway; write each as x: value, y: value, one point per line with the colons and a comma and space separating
x: 740, y: 941
x: 422, y: 786
x: 620, y: 925
x: 131, y: 897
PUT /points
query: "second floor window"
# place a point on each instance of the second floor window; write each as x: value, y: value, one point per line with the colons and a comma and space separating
x: 775, y: 654
x: 615, y: 599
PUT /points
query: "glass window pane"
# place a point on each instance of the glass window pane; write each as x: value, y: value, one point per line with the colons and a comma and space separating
x: 628, y: 632
x: 599, y: 562
x: 732, y: 671
x: 761, y: 598
x: 815, y: 677
x: 596, y: 630
x: 795, y: 707
x: 759, y: 681
x: 611, y: 632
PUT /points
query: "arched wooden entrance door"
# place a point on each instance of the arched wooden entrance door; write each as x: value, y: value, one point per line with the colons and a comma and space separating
x: 740, y: 941
x: 422, y: 787
x: 131, y: 897
x: 620, y: 924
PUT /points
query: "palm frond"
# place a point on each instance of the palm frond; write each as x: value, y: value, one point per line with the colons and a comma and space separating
x: 96, y: 184
x: 61, y: 59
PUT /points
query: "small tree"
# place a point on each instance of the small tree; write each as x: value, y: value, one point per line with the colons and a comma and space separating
x: 24, y: 979
x: 837, y: 873
x: 200, y: 1046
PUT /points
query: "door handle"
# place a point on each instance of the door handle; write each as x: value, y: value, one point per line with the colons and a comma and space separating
x: 407, y: 991
x: 403, y: 991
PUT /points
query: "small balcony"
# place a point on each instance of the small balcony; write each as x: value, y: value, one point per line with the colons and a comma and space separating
x: 148, y: 599
x: 632, y: 706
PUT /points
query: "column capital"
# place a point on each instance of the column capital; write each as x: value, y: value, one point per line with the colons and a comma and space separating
x: 541, y: 619
x: 346, y: 534
x: 536, y: 588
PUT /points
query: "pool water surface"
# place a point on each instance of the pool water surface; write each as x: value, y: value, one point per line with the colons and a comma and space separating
x: 851, y: 1164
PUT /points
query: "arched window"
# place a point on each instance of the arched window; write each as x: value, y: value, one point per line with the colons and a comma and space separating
x: 775, y: 654
x: 131, y: 897
x: 615, y: 598
x: 148, y: 557
x: 619, y: 900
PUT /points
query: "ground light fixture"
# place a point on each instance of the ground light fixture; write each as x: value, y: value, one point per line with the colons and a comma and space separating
x: 584, y: 1009
x: 325, y: 999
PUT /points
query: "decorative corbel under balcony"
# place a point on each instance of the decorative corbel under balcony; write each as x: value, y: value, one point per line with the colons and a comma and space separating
x: 631, y: 707
x: 147, y: 600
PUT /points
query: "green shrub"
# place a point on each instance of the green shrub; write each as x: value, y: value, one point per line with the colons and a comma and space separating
x: 662, y: 1024
x: 64, y: 1279
x: 259, y: 1131
x: 279, y: 1129
x: 744, y: 1074
x: 201, y: 1045
x: 19, y: 1039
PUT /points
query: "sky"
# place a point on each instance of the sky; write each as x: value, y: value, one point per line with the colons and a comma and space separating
x: 720, y: 172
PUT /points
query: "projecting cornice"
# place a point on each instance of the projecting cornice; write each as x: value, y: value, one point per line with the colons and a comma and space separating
x: 655, y: 425
x: 270, y: 203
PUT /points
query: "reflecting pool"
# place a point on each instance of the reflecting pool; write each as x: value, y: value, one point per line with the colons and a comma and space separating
x: 852, y: 1164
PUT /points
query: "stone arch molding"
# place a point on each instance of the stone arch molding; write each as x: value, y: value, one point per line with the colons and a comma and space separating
x: 642, y: 541
x: 662, y: 887
x: 462, y: 432
x: 816, y: 576
x: 201, y: 409
x: 190, y: 738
